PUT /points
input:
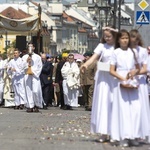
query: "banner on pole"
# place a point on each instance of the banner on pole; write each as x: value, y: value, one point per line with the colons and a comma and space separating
x: 26, y: 24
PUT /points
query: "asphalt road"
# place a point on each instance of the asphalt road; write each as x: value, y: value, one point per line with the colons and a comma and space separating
x: 52, y: 129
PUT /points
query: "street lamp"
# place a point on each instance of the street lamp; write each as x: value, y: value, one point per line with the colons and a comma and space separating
x: 117, y: 8
x: 114, y: 13
x: 119, y: 15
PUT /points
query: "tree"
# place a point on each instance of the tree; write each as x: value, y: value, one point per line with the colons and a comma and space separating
x: 12, y: 45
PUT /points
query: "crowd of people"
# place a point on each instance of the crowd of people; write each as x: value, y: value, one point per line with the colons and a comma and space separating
x: 35, y: 81
x: 113, y: 81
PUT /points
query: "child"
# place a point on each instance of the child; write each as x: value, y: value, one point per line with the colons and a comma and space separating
x: 126, y: 111
x: 136, y: 42
x: 102, y: 97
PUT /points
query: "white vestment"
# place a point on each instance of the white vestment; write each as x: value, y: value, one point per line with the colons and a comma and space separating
x: 8, y: 89
x: 70, y: 73
x: 17, y: 79
x: 32, y: 82
x: 1, y: 80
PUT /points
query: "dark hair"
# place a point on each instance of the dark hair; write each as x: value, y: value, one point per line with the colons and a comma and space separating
x: 111, y: 31
x: 119, y: 35
x: 135, y: 33
x: 16, y: 49
x: 31, y: 43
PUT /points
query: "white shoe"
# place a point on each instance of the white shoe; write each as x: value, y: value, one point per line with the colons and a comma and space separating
x: 124, y: 143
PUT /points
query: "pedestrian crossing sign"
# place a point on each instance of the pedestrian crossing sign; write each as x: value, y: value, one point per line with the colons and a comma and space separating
x: 142, y: 17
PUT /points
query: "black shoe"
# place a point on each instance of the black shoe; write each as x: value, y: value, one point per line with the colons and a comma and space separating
x: 45, y: 107
x: 88, y: 109
x: 2, y: 103
x: 69, y: 107
x: 65, y: 107
x: 36, y: 109
x: 58, y: 104
x: 16, y: 107
x: 134, y: 142
x: 21, y: 106
x: 29, y: 110
x: 50, y: 105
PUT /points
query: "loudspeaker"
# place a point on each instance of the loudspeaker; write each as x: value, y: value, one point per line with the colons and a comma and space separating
x: 34, y: 41
x: 21, y: 42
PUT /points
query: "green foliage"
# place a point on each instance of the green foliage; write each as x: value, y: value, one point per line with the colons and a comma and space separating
x: 69, y: 51
x: 4, y: 55
x: 12, y: 45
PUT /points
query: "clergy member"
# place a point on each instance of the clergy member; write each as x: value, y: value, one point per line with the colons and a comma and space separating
x: 70, y: 72
x: 16, y: 70
x: 32, y: 81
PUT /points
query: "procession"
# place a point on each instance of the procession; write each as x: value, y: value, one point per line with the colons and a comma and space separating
x: 118, y: 97
x: 71, y: 79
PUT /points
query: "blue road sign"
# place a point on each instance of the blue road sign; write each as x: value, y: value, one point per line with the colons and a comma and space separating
x: 142, y: 17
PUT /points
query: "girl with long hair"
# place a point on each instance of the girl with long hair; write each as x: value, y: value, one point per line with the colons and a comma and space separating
x: 136, y: 42
x: 104, y: 83
x: 126, y: 110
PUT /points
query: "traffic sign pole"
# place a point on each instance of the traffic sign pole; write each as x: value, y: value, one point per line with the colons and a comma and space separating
x: 142, y: 19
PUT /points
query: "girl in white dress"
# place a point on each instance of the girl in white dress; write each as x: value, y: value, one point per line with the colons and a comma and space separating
x: 136, y: 43
x: 126, y: 111
x: 148, y: 70
x: 102, y: 97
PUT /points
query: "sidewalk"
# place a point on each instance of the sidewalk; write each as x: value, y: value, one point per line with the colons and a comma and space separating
x: 52, y: 129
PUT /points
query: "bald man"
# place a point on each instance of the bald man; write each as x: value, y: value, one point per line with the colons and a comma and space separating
x: 46, y: 81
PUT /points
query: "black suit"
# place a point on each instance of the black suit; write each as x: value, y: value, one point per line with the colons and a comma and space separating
x: 59, y: 79
x: 46, y: 82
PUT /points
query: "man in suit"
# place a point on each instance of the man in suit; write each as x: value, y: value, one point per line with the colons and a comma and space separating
x: 87, y: 82
x: 46, y: 81
x: 59, y: 80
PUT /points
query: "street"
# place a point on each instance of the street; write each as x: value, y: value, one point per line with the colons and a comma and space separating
x: 53, y: 129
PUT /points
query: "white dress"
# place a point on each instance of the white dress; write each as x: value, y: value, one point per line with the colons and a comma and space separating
x: 143, y: 95
x: 102, y: 97
x: 8, y: 94
x: 148, y: 69
x: 126, y: 110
